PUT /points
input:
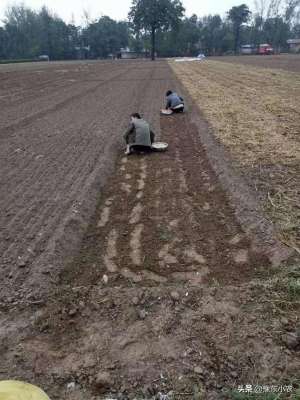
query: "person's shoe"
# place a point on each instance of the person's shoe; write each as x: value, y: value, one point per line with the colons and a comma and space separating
x: 127, y: 151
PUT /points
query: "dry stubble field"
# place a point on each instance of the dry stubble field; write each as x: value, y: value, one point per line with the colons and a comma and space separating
x: 167, y: 292
x: 287, y: 62
x: 255, y: 113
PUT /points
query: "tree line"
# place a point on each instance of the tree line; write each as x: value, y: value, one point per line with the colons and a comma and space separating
x: 155, y: 26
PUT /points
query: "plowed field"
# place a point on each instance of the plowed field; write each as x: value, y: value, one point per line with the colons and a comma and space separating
x: 147, y: 276
x: 60, y: 128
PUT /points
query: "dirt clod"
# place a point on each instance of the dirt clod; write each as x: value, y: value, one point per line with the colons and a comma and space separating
x: 71, y: 386
x: 142, y: 314
x: 291, y: 340
x: 198, y: 370
x: 21, y: 263
x: 135, y: 300
x: 103, y: 382
x: 241, y: 256
x: 73, y: 312
x: 175, y: 295
x: 284, y: 321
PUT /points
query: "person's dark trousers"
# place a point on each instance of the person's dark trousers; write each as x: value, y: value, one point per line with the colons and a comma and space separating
x: 152, y: 137
x: 177, y: 110
x: 136, y: 148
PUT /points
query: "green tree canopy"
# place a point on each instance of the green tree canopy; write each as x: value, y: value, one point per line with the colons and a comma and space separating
x: 238, y: 15
x: 106, y: 37
x: 276, y: 31
x: 27, y: 33
x: 148, y: 16
x: 212, y: 34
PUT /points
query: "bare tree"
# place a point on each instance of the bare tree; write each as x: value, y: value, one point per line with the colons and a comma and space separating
x: 86, y: 17
x: 274, y: 8
x: 292, y: 11
x: 261, y: 8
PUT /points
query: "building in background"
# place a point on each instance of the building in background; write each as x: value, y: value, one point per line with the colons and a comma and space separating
x: 248, y: 49
x: 265, y: 49
x: 127, y: 54
x: 294, y: 45
x: 262, y: 49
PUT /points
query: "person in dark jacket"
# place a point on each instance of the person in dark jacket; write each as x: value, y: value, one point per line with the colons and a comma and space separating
x: 174, y: 102
x: 138, y: 135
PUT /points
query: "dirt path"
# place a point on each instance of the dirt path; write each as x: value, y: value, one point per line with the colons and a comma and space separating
x: 166, y: 294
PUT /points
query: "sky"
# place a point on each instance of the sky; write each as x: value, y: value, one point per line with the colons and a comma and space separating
x: 117, y: 9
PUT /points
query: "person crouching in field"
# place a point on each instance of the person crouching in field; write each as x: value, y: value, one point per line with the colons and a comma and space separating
x: 174, y: 103
x: 139, y: 135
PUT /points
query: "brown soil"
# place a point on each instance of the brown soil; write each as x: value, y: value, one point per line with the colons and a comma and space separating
x: 60, y: 128
x: 167, y: 291
x: 288, y: 62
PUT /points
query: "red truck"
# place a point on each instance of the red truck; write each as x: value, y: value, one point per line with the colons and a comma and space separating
x: 265, y: 49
